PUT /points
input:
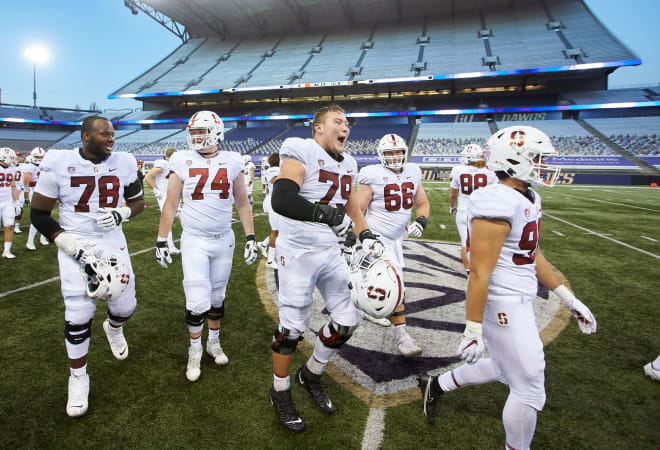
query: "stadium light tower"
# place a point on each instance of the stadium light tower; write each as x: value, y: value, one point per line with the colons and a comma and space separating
x: 36, y: 55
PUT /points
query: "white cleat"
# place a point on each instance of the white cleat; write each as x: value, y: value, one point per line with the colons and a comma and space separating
x: 174, y: 251
x: 17, y: 230
x: 409, y: 348
x: 384, y: 322
x: 7, y: 254
x: 263, y: 248
x: 30, y: 246
x: 43, y: 241
x: 194, y: 359
x: 651, y: 372
x: 118, y: 344
x: 214, y: 350
x: 76, y: 404
x: 271, y: 265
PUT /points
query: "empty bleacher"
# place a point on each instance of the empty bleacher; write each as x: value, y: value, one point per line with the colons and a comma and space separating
x: 638, y: 135
x: 449, y: 138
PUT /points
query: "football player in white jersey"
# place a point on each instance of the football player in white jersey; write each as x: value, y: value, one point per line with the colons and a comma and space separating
x: 264, y: 167
x: 19, y: 167
x: 30, y: 179
x: 267, y: 246
x: 249, y: 175
x: 471, y: 175
x: 90, y: 183
x: 210, y: 181
x: 10, y: 206
x: 387, y: 192
x: 157, y: 180
x: 315, y: 199
x: 506, y: 267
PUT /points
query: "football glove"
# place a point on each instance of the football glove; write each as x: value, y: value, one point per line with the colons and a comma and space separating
x: 78, y: 249
x: 18, y: 208
x: 163, y: 252
x: 250, y: 253
x: 329, y: 214
x: 349, y: 247
x: 341, y: 229
x: 416, y: 228
x: 370, y: 244
x: 586, y: 320
x: 472, y: 345
x: 452, y: 210
x: 112, y: 217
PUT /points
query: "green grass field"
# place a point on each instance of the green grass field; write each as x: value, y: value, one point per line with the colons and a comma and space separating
x: 598, y: 396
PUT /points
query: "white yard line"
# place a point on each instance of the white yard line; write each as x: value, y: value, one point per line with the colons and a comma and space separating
x: 602, y: 236
x: 558, y: 233
x: 373, y: 432
x: 605, y: 201
x: 442, y: 226
x: 650, y: 239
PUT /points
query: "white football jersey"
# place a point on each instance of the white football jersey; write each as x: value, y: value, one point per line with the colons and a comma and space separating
x: 248, y: 169
x: 208, y: 190
x: 271, y: 173
x: 391, y: 203
x: 327, y: 181
x: 515, y: 271
x: 83, y: 188
x: 160, y: 180
x: 18, y: 177
x: 468, y: 179
x: 6, y: 177
x: 35, y: 171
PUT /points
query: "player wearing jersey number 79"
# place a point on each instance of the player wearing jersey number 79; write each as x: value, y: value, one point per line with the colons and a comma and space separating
x: 506, y: 266
x: 211, y: 181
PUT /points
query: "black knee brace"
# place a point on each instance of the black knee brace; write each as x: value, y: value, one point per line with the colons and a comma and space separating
x: 118, y: 319
x: 216, y: 313
x: 281, y: 342
x: 76, y: 334
x: 195, y: 320
x: 339, y: 334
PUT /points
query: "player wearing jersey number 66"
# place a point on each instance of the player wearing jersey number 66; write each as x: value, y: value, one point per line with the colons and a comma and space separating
x: 210, y: 181
x: 506, y: 266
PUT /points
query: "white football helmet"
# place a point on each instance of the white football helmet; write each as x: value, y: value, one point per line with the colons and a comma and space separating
x: 7, y: 156
x: 37, y: 154
x: 519, y: 151
x: 264, y: 164
x: 215, y: 130
x: 388, y: 143
x: 376, y: 287
x: 471, y: 152
x: 247, y: 159
x: 106, y: 276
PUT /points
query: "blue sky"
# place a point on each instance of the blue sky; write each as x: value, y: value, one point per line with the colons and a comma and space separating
x: 96, y: 49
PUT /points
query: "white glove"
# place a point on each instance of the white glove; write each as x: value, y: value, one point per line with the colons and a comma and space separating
x: 78, y: 249
x: 158, y: 194
x: 370, y: 244
x: 452, y: 210
x: 579, y: 310
x: 341, y: 229
x: 163, y: 252
x: 472, y: 345
x: 416, y: 228
x: 250, y: 253
x: 18, y: 208
x: 112, y: 217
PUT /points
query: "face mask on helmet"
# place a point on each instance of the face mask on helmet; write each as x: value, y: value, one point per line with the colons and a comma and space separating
x: 7, y: 156
x: 519, y: 152
x: 389, y: 151
x: 471, y: 152
x: 205, y: 129
x: 106, y: 277
x: 376, y: 287
x: 37, y: 155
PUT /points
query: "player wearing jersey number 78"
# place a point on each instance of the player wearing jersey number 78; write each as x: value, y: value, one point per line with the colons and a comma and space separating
x: 210, y: 181
x: 506, y: 266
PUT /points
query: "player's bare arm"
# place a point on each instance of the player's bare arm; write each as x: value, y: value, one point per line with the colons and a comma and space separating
x: 453, y: 201
x: 292, y: 170
x: 486, y: 241
x: 27, y: 177
x: 364, y: 195
x: 174, y: 189
x: 242, y: 205
x: 354, y: 212
x: 150, y: 179
x: 421, y: 202
x: 544, y: 272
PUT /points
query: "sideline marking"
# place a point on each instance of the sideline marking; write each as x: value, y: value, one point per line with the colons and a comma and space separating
x: 558, y: 233
x: 605, y: 201
x: 650, y: 239
x: 602, y: 236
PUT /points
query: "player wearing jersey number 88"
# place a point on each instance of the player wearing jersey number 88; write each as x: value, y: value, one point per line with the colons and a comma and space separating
x: 506, y: 267
x: 471, y: 175
x: 86, y: 181
x: 388, y: 192
x: 210, y: 181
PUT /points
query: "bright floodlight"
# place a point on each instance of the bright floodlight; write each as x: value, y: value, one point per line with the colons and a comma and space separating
x: 36, y: 54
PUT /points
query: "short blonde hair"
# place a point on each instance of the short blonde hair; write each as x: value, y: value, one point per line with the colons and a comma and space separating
x: 319, y: 115
x: 480, y: 163
x: 169, y: 152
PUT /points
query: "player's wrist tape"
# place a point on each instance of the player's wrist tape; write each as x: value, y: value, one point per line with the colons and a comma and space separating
x: 422, y: 221
x: 563, y: 293
x: 249, y: 237
x: 472, y: 327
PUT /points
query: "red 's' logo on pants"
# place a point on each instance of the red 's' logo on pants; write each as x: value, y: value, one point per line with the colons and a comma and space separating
x: 502, y: 319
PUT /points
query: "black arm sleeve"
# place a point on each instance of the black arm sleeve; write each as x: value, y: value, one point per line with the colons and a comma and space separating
x: 45, y: 224
x: 133, y: 190
x: 287, y: 201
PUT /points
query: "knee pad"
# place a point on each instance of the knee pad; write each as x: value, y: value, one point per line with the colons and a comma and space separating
x: 77, y: 334
x: 216, y: 312
x: 334, y: 335
x: 195, y: 320
x: 118, y: 320
x: 285, y: 341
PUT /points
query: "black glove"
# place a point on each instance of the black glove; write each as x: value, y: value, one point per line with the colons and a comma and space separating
x: 351, y: 239
x: 329, y: 214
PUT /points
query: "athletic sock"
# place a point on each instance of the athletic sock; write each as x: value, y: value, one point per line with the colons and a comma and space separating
x: 281, y: 384
x: 196, y: 342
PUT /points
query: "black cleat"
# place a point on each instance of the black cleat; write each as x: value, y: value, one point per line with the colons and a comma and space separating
x: 312, y: 383
x: 431, y: 392
x: 286, y: 412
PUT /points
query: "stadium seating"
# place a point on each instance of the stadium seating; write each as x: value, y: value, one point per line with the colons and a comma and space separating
x: 449, y: 138
x: 638, y: 135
